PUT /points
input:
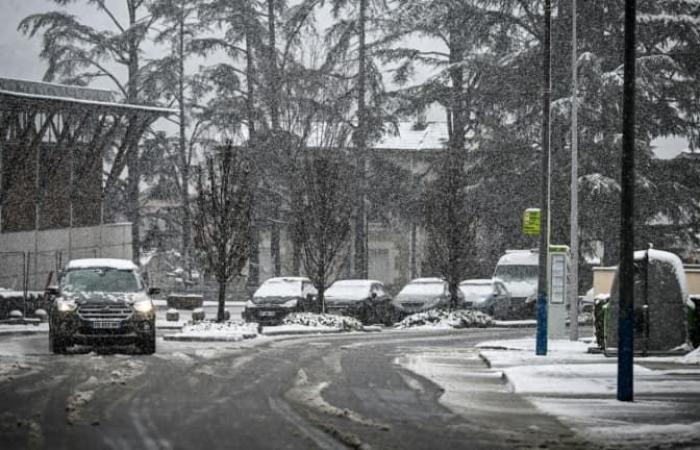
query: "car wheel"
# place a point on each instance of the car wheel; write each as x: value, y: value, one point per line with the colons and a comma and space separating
x: 148, y: 344
x: 57, y: 344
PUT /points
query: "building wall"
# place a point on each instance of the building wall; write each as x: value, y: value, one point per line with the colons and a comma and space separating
x: 37, y: 254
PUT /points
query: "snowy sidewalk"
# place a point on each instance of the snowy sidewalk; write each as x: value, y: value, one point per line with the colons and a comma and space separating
x: 579, y: 388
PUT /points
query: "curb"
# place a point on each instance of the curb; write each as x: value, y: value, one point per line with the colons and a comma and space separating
x: 301, y: 332
x: 507, y: 324
x: 22, y: 332
x: 185, y: 338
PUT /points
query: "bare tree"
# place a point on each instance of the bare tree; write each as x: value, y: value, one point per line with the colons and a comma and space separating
x: 450, y: 224
x: 223, y: 216
x: 322, y: 220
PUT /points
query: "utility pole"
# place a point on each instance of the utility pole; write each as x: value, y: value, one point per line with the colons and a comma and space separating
x: 625, y: 354
x: 541, y: 343
x: 573, y: 319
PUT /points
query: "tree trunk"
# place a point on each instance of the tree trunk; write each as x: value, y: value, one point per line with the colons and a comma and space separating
x: 275, y: 245
x: 360, y: 138
x: 222, y: 301
x: 184, y: 160
x: 254, y: 261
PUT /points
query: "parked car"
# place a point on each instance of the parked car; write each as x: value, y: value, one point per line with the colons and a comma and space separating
x: 366, y: 300
x: 422, y: 294
x: 487, y: 295
x: 277, y: 297
x: 99, y: 302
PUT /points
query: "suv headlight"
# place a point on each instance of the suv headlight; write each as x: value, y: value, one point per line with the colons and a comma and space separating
x: 143, y: 306
x: 66, y: 305
x: 290, y: 303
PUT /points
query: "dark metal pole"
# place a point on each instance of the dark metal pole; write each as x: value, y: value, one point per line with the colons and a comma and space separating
x: 541, y: 343
x: 625, y: 358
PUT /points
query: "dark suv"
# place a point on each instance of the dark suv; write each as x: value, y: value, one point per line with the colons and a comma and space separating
x: 99, y: 302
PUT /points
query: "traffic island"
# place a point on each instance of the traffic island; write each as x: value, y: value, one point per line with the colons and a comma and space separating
x: 215, y: 332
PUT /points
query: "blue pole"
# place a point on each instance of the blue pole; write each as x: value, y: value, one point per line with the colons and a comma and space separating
x: 541, y: 342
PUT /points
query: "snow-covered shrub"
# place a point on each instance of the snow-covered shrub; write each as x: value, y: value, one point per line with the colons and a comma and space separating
x: 323, y: 320
x: 198, y: 314
x: 172, y: 315
x: 230, y: 331
x: 41, y: 314
x: 440, y: 318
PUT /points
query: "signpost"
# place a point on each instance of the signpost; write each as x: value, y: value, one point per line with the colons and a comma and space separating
x: 532, y: 222
x: 558, y: 287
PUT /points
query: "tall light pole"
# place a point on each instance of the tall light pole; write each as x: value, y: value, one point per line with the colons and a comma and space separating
x: 541, y: 342
x: 573, y: 322
x: 625, y: 354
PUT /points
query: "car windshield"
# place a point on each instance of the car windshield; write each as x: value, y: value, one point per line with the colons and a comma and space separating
x: 101, y: 280
x: 480, y: 290
x: 423, y: 289
x: 348, y: 291
x: 278, y: 288
x: 514, y: 272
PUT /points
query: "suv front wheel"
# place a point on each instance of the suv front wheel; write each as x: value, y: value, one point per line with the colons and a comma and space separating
x: 147, y: 345
x: 57, y: 344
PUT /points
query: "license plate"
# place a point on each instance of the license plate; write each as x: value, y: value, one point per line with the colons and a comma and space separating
x: 103, y: 324
x: 267, y: 314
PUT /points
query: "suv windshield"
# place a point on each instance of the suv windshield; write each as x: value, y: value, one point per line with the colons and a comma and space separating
x: 101, y: 280
x: 515, y: 272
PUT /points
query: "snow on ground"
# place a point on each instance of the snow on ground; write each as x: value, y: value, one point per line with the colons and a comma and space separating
x: 323, y: 321
x: 217, y: 331
x: 442, y: 319
x: 579, y: 388
x: 24, y: 329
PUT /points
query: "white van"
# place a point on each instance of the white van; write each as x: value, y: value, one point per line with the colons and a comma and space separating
x: 518, y: 269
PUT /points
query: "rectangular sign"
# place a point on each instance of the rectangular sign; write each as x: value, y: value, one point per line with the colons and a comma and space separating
x: 531, y: 221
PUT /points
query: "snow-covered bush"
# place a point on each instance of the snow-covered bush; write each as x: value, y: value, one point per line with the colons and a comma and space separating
x: 323, y: 320
x: 230, y: 331
x: 440, y: 318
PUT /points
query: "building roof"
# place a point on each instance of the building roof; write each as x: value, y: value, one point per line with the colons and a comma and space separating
x: 23, y: 90
x: 431, y: 136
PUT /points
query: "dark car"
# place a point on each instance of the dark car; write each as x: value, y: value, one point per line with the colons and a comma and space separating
x: 487, y: 295
x: 277, y: 297
x: 423, y: 294
x: 365, y: 300
x: 101, y: 302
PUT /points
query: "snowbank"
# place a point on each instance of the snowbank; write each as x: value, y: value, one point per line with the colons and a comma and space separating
x: 323, y: 321
x: 691, y: 358
x: 439, y: 318
x: 215, y: 331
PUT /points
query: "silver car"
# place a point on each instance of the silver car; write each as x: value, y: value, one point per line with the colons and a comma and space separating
x: 487, y: 295
x: 423, y: 294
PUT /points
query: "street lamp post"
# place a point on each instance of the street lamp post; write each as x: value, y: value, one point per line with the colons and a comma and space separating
x: 573, y: 328
x: 625, y: 385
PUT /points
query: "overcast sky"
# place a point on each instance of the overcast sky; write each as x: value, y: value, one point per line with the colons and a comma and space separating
x: 19, y: 55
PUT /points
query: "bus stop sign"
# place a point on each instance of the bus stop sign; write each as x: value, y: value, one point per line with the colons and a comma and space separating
x: 531, y: 222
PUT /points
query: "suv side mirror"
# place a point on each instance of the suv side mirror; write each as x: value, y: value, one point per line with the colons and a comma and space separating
x: 52, y: 291
x: 153, y: 291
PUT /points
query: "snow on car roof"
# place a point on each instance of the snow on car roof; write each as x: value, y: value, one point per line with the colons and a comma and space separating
x: 355, y: 282
x: 428, y: 280
x: 519, y: 258
x: 111, y: 263
x: 478, y: 281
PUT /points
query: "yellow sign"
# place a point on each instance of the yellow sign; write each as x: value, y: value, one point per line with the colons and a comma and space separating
x: 531, y: 221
